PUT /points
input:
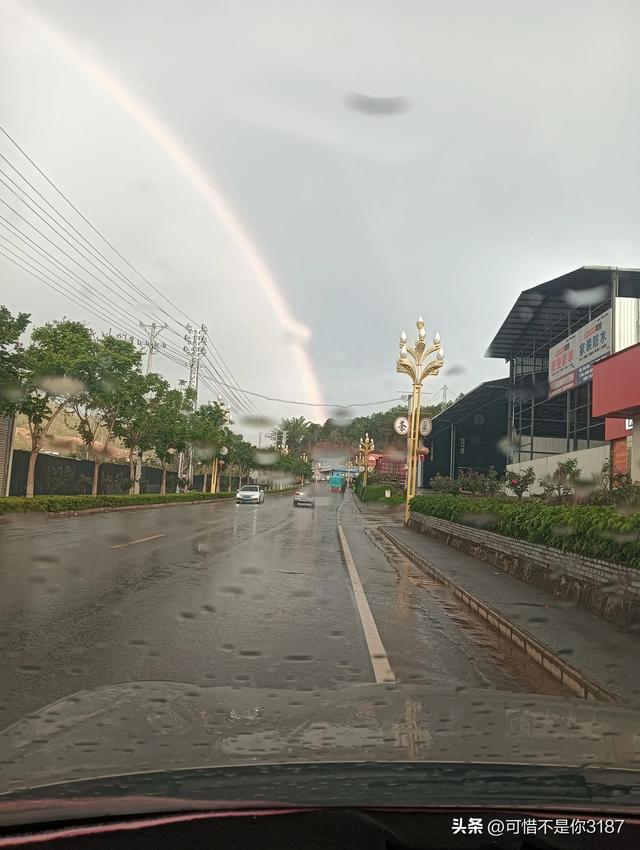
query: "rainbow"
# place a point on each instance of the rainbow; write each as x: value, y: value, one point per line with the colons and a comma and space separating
x: 177, y: 152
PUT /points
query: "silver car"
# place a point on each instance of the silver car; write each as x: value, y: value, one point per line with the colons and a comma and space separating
x: 302, y: 498
x: 250, y: 494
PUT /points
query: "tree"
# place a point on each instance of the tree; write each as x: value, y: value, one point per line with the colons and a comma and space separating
x: 293, y: 466
x: 520, y: 482
x: 241, y: 457
x: 11, y: 355
x: 107, y: 396
x: 207, y: 434
x: 297, y: 430
x: 136, y: 420
x: 55, y: 369
x: 170, y: 431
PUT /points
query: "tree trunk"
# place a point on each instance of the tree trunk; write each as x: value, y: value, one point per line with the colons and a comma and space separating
x: 96, y: 475
x: 132, y: 470
x: 31, y: 473
x: 163, y: 485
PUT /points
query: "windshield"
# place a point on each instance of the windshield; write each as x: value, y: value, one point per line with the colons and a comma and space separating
x: 375, y: 267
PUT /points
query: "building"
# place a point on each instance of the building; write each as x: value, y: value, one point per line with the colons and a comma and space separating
x: 470, y: 433
x: 616, y: 395
x: 551, y: 339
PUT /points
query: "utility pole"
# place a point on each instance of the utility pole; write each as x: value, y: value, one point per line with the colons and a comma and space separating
x: 151, y: 343
x: 196, y: 339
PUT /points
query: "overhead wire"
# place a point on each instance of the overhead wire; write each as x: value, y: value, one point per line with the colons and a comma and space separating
x: 87, y: 294
x: 59, y: 291
x: 121, y: 291
x: 217, y: 378
x: 80, y: 235
x: 95, y: 252
x: 89, y: 224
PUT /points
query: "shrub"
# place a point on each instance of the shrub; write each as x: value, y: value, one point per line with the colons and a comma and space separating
x: 53, y: 504
x: 597, y: 532
x: 520, y: 482
x: 376, y: 493
x: 561, y: 484
x: 493, y: 483
x: 444, y: 484
x: 478, y: 482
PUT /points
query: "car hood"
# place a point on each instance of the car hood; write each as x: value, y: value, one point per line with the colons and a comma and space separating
x: 149, y: 726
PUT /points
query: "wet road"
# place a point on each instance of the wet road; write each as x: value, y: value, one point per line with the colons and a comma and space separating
x: 220, y: 594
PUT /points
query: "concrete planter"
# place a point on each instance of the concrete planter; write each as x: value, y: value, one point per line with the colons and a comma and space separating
x: 610, y: 591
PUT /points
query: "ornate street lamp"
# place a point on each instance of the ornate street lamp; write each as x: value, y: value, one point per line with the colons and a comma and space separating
x: 412, y: 362
x: 365, y: 447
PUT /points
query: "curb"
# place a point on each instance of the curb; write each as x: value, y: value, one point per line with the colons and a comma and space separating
x: 538, y: 652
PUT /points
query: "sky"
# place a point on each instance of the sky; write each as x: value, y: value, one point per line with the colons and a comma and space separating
x: 306, y: 179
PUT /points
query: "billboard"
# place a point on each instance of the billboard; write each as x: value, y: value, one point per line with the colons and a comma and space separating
x: 386, y: 465
x: 571, y: 361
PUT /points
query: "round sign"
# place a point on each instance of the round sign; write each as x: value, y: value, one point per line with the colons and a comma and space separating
x: 401, y: 425
x: 426, y: 426
x: 361, y: 469
x: 370, y: 468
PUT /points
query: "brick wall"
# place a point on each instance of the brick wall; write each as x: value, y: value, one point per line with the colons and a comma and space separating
x: 610, y: 591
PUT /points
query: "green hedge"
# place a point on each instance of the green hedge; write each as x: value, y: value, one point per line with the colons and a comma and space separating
x: 597, y: 532
x: 55, y: 504
x: 375, y: 493
x: 52, y: 504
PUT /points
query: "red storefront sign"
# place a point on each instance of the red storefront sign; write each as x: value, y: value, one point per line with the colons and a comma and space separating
x: 616, y: 384
x: 617, y: 429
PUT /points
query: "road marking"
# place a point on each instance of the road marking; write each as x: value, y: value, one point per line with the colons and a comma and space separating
x: 377, y: 653
x: 133, y: 542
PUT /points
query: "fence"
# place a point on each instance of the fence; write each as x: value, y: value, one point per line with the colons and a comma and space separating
x: 67, y: 476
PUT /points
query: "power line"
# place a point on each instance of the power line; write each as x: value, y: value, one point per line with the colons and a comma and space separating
x: 119, y: 292
x: 60, y: 291
x: 89, y: 224
x: 218, y: 379
x: 317, y: 403
x: 90, y: 246
x: 89, y: 295
x: 95, y: 251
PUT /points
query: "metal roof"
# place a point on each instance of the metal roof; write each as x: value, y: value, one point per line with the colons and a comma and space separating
x: 472, y: 402
x: 539, y: 312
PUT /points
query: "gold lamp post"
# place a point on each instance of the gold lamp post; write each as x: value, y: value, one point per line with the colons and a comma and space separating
x: 412, y: 362
x: 365, y: 447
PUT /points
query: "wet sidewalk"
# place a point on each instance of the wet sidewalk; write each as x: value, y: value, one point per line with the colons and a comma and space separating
x: 603, y: 653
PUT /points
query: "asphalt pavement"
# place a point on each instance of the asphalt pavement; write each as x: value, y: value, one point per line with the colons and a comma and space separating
x: 227, y: 595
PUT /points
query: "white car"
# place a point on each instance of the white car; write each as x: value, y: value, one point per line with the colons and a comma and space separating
x: 250, y: 494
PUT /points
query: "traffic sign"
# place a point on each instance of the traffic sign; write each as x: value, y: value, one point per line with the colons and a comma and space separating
x: 426, y: 426
x: 370, y: 468
x: 401, y: 425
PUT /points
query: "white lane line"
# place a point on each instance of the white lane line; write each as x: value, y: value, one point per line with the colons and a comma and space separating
x: 377, y: 653
x: 133, y: 542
